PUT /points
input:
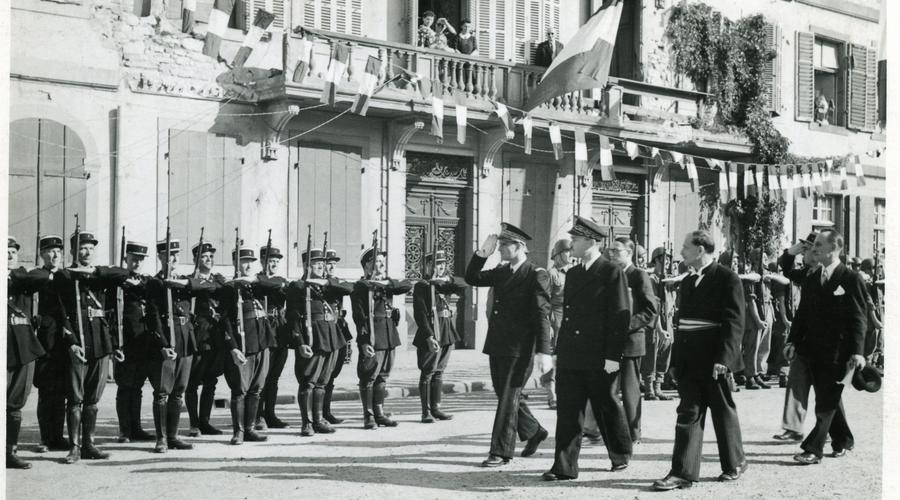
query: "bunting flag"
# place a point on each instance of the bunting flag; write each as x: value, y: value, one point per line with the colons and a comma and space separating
x: 526, y: 131
x: 217, y: 24
x: 817, y: 179
x: 857, y: 167
x: 759, y: 175
x: 723, y: 186
x: 261, y: 23
x: 678, y: 158
x: 606, y: 160
x: 807, y: 182
x: 844, y: 184
x: 437, y: 110
x: 462, y: 113
x: 304, y: 47
x: 692, y: 173
x: 336, y: 69
x: 796, y: 183
x: 783, y: 182
x: 503, y: 113
x: 422, y: 83
x: 748, y: 179
x: 714, y: 163
x: 556, y: 140
x: 773, y: 180
x: 367, y: 86
x: 829, y: 164
x: 654, y: 152
x: 188, y: 13
x: 632, y: 149
x: 581, y: 156
x: 657, y: 176
x: 826, y: 178
x: 584, y: 62
x: 732, y: 180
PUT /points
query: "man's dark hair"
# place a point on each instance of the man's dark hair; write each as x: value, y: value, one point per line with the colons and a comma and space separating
x: 834, y: 237
x: 625, y: 240
x: 703, y: 239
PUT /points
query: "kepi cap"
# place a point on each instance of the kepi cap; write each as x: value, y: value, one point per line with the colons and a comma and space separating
x: 246, y: 253
x: 84, y: 237
x: 331, y: 256
x: 174, y: 246
x: 588, y: 229
x: 510, y: 232
x: 13, y: 243
x: 204, y: 247
x: 369, y: 254
x: 275, y: 254
x: 50, y: 241
x: 136, y: 248
x: 316, y: 254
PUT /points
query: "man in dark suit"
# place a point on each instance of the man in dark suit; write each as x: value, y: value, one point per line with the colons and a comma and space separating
x: 589, y: 353
x: 643, y: 304
x: 831, y: 336
x: 710, y: 326
x: 518, y: 325
x: 547, y: 50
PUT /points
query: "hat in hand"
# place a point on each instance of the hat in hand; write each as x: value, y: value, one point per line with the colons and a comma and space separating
x: 867, y: 379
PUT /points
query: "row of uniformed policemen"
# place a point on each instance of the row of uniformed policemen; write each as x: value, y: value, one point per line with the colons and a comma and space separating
x: 181, y: 332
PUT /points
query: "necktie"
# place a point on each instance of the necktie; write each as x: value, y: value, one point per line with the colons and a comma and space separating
x: 824, y: 277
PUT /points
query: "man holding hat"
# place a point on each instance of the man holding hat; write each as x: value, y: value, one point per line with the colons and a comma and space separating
x: 270, y: 258
x: 376, y: 334
x: 248, y: 364
x: 658, y: 346
x: 337, y: 305
x: 209, y: 360
x: 51, y: 371
x: 433, y: 348
x: 518, y: 326
x: 139, y: 319
x: 89, y: 341
x: 710, y: 327
x: 317, y: 338
x: 589, y: 353
x: 22, y: 347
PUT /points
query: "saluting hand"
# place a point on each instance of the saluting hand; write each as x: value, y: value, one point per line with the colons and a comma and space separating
x: 718, y: 370
x: 489, y: 246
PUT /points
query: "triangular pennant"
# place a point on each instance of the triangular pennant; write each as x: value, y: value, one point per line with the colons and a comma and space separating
x: 748, y: 179
x: 556, y: 140
x: 806, y: 179
x: 723, y: 186
x: 657, y: 176
x: 844, y: 185
x: 783, y: 182
x: 773, y: 180
x: 336, y: 69
x: 437, y: 110
x: 678, y: 158
x: 759, y: 176
x: 503, y: 114
x: 304, y: 54
x: 654, y: 152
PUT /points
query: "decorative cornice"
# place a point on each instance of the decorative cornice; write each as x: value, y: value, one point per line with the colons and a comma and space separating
x: 400, y: 147
x: 495, y: 143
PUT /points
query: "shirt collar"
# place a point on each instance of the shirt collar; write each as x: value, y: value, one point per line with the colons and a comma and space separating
x: 699, y: 272
x: 828, y: 271
x: 515, y: 267
x: 627, y: 267
x: 588, y: 264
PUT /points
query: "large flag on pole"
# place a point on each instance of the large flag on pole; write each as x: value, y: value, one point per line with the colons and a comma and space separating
x: 584, y: 62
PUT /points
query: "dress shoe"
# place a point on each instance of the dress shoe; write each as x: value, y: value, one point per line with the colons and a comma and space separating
x: 41, y: 448
x: 59, y: 445
x: 807, y: 458
x: 383, y: 421
x: 534, y: 441
x: 237, y: 438
x: 194, y: 432
x: 177, y: 444
x: 142, y: 435
x: 161, y: 446
x: 751, y: 384
x: 73, y: 456
x: 208, y: 430
x: 650, y: 396
x: 789, y: 436
x: 494, y: 461
x: 91, y: 452
x: 123, y: 439
x: 276, y: 423
x: 618, y: 467
x: 426, y: 418
x: 332, y: 419
x: 259, y: 425
x: 762, y: 382
x: 552, y: 476
x: 841, y: 452
x: 671, y: 482
x: 323, y: 427
x: 735, y: 474
x: 14, y: 462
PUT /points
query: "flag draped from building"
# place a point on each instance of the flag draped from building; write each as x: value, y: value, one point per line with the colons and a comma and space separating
x: 556, y: 140
x: 340, y: 54
x: 732, y: 179
x: 304, y: 49
x: 584, y: 62
x: 692, y: 172
x: 748, y: 179
x: 188, y: 13
x: 632, y: 149
x: 678, y: 158
x: 606, y: 160
x: 503, y: 113
x: 437, y: 110
x: 657, y: 177
x: 261, y: 23
x: 462, y: 113
x: 367, y: 86
x: 858, y: 170
x: 527, y: 131
x: 807, y: 181
x: 844, y: 184
x: 217, y: 24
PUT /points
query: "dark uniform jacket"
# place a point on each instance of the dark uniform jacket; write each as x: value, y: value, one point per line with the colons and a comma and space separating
x: 207, y: 314
x: 718, y: 299
x: 832, y: 319
x: 326, y: 333
x: 385, y: 336
x: 140, y: 319
x: 95, y: 313
x: 22, y: 345
x: 644, y: 308
x: 275, y: 300
x: 53, y: 321
x: 423, y: 313
x: 258, y: 332
x: 185, y: 341
x: 519, y: 321
x: 595, y: 316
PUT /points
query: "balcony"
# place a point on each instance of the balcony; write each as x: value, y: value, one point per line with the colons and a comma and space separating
x: 627, y: 109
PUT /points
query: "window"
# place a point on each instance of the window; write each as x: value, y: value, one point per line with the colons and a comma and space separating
x: 47, y: 183
x: 880, y: 224
x: 824, y: 208
x: 828, y: 96
x: 340, y: 16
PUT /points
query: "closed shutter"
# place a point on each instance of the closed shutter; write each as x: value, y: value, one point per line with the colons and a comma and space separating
x: 551, y: 16
x: 340, y: 16
x: 861, y: 82
x: 805, y: 88
x: 871, y: 90
x: 771, y: 77
x: 882, y: 92
x: 356, y: 11
x: 489, y: 17
x: 527, y: 32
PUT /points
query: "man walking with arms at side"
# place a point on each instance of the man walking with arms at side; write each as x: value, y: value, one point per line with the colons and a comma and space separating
x: 518, y: 325
x: 710, y: 326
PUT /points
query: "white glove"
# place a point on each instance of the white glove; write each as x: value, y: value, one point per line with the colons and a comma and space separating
x: 610, y: 366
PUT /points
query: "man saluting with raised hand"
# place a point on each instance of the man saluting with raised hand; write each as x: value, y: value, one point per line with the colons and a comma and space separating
x: 518, y: 325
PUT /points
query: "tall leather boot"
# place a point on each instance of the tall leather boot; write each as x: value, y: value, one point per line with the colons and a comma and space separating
x: 326, y: 406
x: 207, y: 399
x: 191, y: 401
x: 13, y: 424
x: 73, y: 422
x: 137, y: 430
x: 43, y: 417
x: 237, y: 420
x: 437, y: 386
x: 320, y: 425
x: 159, y: 422
x: 380, y: 392
x: 258, y: 423
x: 304, y: 399
x: 88, y: 425
x: 57, y: 423
x: 425, y: 397
x: 123, y: 413
x: 251, y: 406
x: 270, y: 396
x: 657, y: 389
x: 366, y: 396
x: 173, y: 418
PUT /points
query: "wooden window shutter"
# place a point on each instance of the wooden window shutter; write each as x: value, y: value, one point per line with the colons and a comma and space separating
x: 356, y: 17
x: 805, y: 87
x: 500, y: 31
x: 309, y: 13
x: 340, y: 16
x: 882, y: 92
x: 489, y: 17
x: 871, y: 90
x: 771, y: 91
x: 857, y: 84
x: 527, y: 32
x: 325, y: 15
x: 551, y: 17
x: 276, y: 7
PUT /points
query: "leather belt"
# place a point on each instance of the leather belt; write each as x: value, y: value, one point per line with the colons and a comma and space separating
x: 445, y: 313
x: 19, y: 320
x: 181, y: 320
x: 323, y: 317
x: 96, y: 313
x: 694, y: 325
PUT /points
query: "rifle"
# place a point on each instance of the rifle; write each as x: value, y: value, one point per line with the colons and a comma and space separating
x: 36, y: 297
x: 240, y: 299
x: 325, y: 244
x: 197, y: 267
x: 634, y: 255
x: 120, y: 295
x: 370, y: 291
x: 433, y: 292
x: 266, y: 268
x: 307, y: 297
x: 170, y: 311
x: 78, y: 317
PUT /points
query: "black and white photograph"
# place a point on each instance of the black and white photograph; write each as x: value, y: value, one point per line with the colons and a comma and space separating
x: 448, y: 249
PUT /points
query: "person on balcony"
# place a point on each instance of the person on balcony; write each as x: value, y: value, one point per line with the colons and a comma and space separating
x: 441, y: 42
x: 466, y: 43
x: 548, y: 49
x: 426, y: 33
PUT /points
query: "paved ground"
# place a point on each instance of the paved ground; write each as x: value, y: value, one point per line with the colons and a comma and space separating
x: 440, y: 460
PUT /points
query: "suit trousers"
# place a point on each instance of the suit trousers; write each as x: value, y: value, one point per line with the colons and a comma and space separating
x: 86, y: 382
x: 18, y: 387
x: 796, y: 395
x: 830, y: 417
x: 247, y: 379
x: 574, y: 389
x: 630, y: 383
x: 509, y: 374
x: 314, y: 372
x: 699, y: 392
